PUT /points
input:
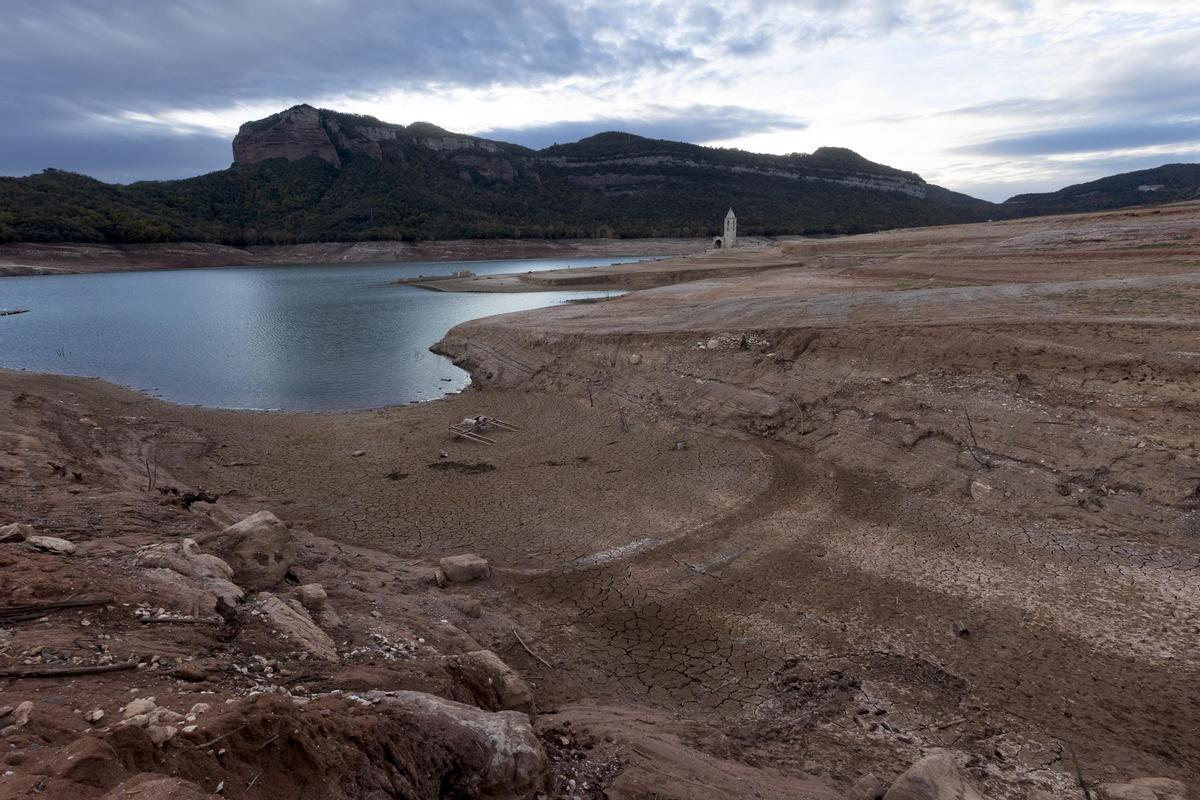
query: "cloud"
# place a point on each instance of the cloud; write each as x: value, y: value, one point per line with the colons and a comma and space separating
x: 699, y: 124
x: 1094, y: 138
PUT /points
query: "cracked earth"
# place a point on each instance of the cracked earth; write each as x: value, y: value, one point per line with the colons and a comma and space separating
x: 925, y: 488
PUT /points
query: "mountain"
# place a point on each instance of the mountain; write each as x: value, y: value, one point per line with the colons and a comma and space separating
x: 308, y: 174
x: 1168, y: 183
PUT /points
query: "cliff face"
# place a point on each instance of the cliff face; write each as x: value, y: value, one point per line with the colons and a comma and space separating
x: 293, y: 134
x: 303, y: 131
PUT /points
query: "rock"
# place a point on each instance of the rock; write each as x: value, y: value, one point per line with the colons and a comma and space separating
x: 868, y: 787
x: 1164, y: 788
x: 154, y: 786
x: 465, y: 568
x: 1143, y: 789
x: 358, y: 454
x: 500, y: 755
x: 494, y: 684
x: 94, y: 716
x: 192, y: 673
x: 297, y: 626
x: 314, y: 599
x: 161, y: 734
x: 21, y: 714
x: 142, y: 705
x: 88, y: 760
x: 213, y: 574
x: 91, y: 423
x: 467, y: 605
x: 635, y: 359
x: 292, y: 134
x: 982, y: 492
x: 713, y: 344
x: 259, y: 549
x: 934, y: 777
x: 16, y: 532
x: 51, y: 544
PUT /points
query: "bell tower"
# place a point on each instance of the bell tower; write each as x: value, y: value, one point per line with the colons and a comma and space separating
x: 730, y: 238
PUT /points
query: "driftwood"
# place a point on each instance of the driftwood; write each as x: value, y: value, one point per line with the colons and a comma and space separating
x: 181, y: 620
x: 527, y: 650
x: 33, y: 610
x: 63, y: 672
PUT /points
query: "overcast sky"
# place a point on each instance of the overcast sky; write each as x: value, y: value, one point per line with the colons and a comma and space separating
x: 990, y: 97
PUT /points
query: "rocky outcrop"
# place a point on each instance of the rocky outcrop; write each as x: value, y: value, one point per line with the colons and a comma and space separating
x: 294, y: 624
x: 292, y: 134
x: 934, y: 777
x: 259, y: 549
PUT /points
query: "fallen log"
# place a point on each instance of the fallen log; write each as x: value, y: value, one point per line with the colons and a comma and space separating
x: 62, y: 672
x: 37, y: 609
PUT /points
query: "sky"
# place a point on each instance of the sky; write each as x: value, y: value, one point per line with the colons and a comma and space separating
x: 988, y: 97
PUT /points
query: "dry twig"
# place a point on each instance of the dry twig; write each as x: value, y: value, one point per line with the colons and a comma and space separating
x: 527, y: 650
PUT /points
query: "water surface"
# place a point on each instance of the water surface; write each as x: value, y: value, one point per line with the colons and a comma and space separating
x: 299, y: 337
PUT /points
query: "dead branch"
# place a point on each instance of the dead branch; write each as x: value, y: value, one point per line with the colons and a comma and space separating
x: 62, y: 672
x: 37, y: 609
x: 974, y: 443
x: 527, y: 650
x: 181, y: 620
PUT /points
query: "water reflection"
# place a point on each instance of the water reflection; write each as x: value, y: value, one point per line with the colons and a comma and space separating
x: 307, y: 337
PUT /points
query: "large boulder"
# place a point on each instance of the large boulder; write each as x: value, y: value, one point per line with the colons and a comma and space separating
x: 259, y: 548
x: 934, y: 777
x: 16, y: 532
x: 494, y: 685
x: 294, y: 623
x: 867, y: 787
x: 498, y: 754
x: 51, y: 544
x: 464, y: 568
x: 212, y: 574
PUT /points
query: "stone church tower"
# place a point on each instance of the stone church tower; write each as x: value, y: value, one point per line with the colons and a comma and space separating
x: 730, y: 238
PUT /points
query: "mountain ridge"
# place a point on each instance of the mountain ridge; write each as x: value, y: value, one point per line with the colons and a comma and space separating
x: 307, y: 174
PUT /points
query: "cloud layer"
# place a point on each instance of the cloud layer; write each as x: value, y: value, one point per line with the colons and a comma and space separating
x: 998, y: 96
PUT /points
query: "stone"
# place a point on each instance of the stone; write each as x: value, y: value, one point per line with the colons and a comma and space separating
x: 1164, y: 788
x: 506, y: 758
x: 713, y: 344
x: 495, y: 685
x: 94, y: 716
x: 51, y: 544
x: 297, y: 626
x: 292, y: 134
x: 21, y: 714
x: 91, y: 423
x: 211, y: 573
x: 259, y: 549
x: 465, y: 568
x: 934, y: 777
x: 868, y: 787
x: 16, y: 532
x: 315, y: 600
x: 358, y: 454
x: 468, y: 605
x: 1125, y: 791
x: 161, y: 734
x: 88, y: 760
x: 155, y: 786
x: 635, y: 359
x: 142, y: 705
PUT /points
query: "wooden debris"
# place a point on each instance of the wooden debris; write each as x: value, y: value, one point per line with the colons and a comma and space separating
x: 62, y: 672
x: 472, y: 428
x: 527, y: 650
x: 34, y: 610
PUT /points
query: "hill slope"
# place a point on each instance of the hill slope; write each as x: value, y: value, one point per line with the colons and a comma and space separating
x: 308, y: 174
x: 1164, y: 184
x: 313, y: 175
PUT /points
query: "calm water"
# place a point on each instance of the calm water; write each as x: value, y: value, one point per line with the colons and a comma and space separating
x: 304, y: 337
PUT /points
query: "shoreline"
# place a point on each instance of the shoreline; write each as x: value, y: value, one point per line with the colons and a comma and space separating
x: 746, y: 530
x: 23, y: 259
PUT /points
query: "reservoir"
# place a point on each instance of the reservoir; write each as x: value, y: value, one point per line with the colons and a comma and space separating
x: 314, y: 337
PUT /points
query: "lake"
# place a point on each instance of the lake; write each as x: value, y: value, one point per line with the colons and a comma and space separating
x: 320, y: 337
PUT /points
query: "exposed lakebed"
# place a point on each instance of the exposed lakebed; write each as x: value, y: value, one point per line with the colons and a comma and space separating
x: 320, y: 337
